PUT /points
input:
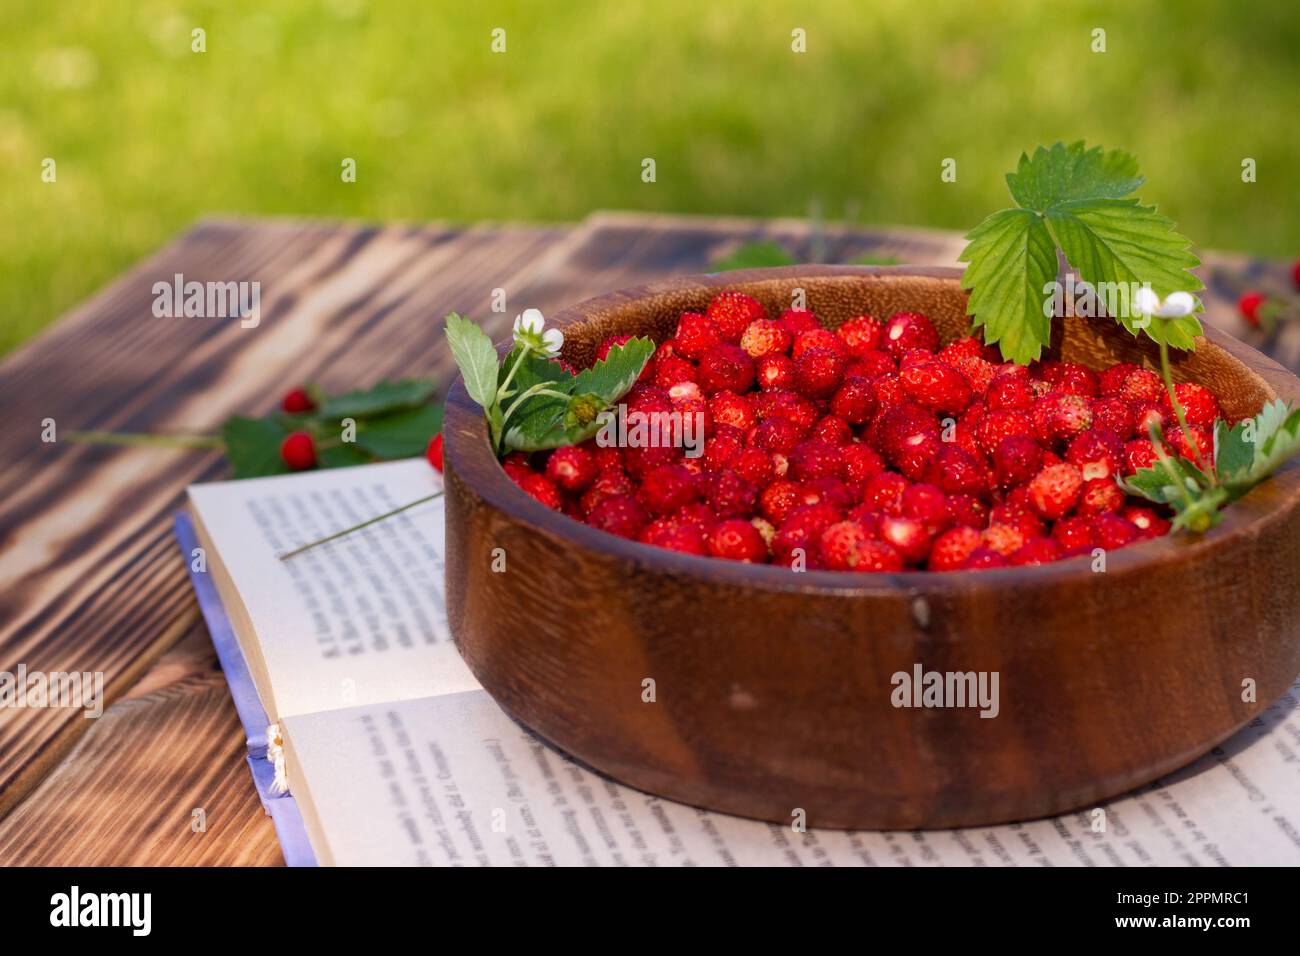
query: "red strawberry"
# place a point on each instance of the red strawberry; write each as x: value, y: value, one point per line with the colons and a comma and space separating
x: 608, y: 483
x: 1016, y: 460
x: 982, y: 559
x: 1204, y: 444
x: 1111, y: 381
x: 572, y: 468
x: 722, y: 448
x: 1018, y: 515
x: 728, y: 408
x: 818, y: 372
x: 1038, y: 550
x: 1098, y: 453
x: 778, y: 434
x: 766, y: 337
x: 731, y: 496
x: 673, y: 535
x: 696, y: 335
x: 737, y: 540
x: 801, y: 529
x: 855, y: 401
x: 516, y: 466
x: 1148, y: 523
x: 298, y: 451
x: 816, y: 459
x: 798, y: 320
x: 1071, y: 378
x: 671, y: 370
x: 1074, y: 535
x: 1200, y: 407
x: 830, y: 490
x: 543, y: 489
x: 618, y: 514
x: 978, y: 372
x: 1113, y: 415
x: 754, y: 465
x: 833, y: 430
x: 726, y: 368
x: 888, y: 389
x: 733, y: 312
x: 296, y: 401
x: 1248, y: 305
x: 1139, y: 454
x: 870, y: 365
x: 434, y: 452
x: 965, y: 347
x: 698, y: 515
x: 1000, y: 424
x: 968, y: 511
x: 861, y: 334
x: 909, y: 330
x: 667, y: 489
x: 1142, y: 386
x: 951, y: 549
x: 1059, y: 417
x: 1005, y: 539
x: 884, y: 493
x: 1112, y: 532
x: 779, y: 499
x: 936, y: 386
x: 958, y: 472
x: 774, y: 372
x: 1054, y: 491
x: 861, y: 463
x: 927, y: 504
x: 905, y: 535
x: 818, y: 339
x: 843, y: 545
x: 1100, y: 496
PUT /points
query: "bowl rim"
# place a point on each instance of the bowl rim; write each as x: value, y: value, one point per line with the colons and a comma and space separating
x: 467, y: 448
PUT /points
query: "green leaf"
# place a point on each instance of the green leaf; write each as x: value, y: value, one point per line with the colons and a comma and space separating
x: 253, y: 446
x: 613, y: 376
x: 384, y: 397
x: 538, y: 424
x: 1113, y: 241
x: 475, y: 356
x: 1066, y: 173
x: 1257, y: 447
x: 403, y: 434
x: 871, y: 260
x: 754, y: 255
x: 1010, y: 259
x: 343, y: 455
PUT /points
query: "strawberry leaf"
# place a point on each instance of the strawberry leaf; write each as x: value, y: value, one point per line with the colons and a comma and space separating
x: 613, y: 376
x: 1255, y: 448
x: 382, y: 398
x: 1011, y: 259
x: 253, y: 446
x: 476, y: 358
x: 401, y: 434
x: 754, y: 255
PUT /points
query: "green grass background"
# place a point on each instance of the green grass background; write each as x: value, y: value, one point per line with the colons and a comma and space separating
x: 149, y: 136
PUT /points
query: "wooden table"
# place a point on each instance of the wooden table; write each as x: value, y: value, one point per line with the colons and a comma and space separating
x: 90, y: 577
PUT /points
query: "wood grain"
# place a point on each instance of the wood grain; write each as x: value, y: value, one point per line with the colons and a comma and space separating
x: 88, y: 572
x: 774, y: 688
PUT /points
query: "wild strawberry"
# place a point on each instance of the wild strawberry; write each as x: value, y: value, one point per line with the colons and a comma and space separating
x: 1141, y: 386
x: 1071, y: 378
x: 1113, y: 415
x: 1016, y: 460
x: 728, y: 408
x: 831, y: 429
x: 731, y: 496
x: 1058, y: 417
x: 903, y: 427
x: 1140, y: 453
x: 884, y: 493
x: 1100, y: 496
x: 619, y: 514
x: 778, y: 434
x: 607, y: 484
x: 1074, y: 534
x: 543, y: 489
x: 1054, y: 491
x: 1112, y: 532
x: 818, y: 372
x: 816, y: 459
x: 1110, y: 384
x: 818, y: 339
x: 733, y: 312
x: 639, y: 460
x: 1098, y: 453
x: 1005, y: 539
x: 1148, y: 523
x: 1295, y: 274
x: 916, y: 461
x: 696, y: 334
x: 774, y: 372
x: 983, y: 559
x: 434, y: 452
x: 671, y: 370
x: 963, y: 348
x: 766, y: 531
x: 1204, y: 447
x: 861, y: 334
x: 667, y: 489
x: 737, y: 540
x: 999, y: 424
x: 830, y: 490
x: 1017, y: 515
x: 888, y: 389
x: 968, y: 511
x: 854, y: 401
x: 978, y: 372
x: 936, y: 386
x: 766, y: 337
x: 1248, y: 305
x: 726, y: 368
x: 905, y: 535
x: 927, y: 504
x: 1037, y: 550
x: 779, y: 499
x: 1147, y: 416
x: 754, y: 465
x: 861, y: 463
x: 1006, y: 392
x: 798, y: 320
x: 296, y: 401
x: 298, y: 451
x: 665, y: 533
x: 870, y: 365
x: 879, y: 558
x: 951, y: 549
x: 1200, y: 407
x: 573, y: 468
x: 909, y: 330
x: 843, y: 545
x: 517, y: 466
x: 956, y: 471
x: 722, y: 448
x: 914, y: 357
x: 801, y: 529
x: 698, y: 515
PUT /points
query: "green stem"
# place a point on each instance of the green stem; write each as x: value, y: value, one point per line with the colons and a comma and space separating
x: 538, y: 389
x: 162, y: 441
x: 1168, y: 375
x: 523, y: 353
x: 357, y: 527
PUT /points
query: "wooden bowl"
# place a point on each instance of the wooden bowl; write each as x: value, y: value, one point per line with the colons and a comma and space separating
x: 772, y: 689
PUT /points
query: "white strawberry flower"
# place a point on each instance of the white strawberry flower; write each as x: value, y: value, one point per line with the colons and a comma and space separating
x: 530, y: 330
x: 1178, y: 304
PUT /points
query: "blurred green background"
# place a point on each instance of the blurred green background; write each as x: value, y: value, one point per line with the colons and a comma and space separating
x: 148, y: 136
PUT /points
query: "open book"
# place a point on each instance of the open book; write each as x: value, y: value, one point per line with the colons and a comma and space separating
x: 394, y: 755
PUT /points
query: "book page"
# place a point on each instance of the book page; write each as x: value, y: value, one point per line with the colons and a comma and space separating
x: 453, y: 781
x: 357, y: 621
